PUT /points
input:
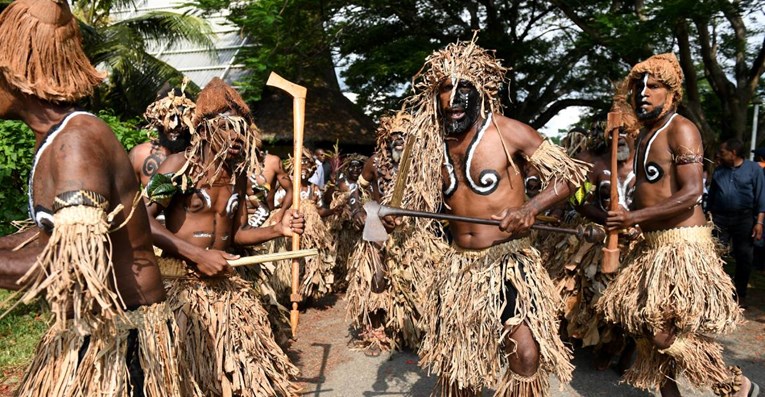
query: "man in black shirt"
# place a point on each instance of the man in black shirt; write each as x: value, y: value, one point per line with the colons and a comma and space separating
x: 737, y: 204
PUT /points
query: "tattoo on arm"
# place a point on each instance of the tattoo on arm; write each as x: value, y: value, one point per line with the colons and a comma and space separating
x: 151, y: 164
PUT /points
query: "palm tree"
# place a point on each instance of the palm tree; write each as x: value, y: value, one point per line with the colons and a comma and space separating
x: 120, y: 46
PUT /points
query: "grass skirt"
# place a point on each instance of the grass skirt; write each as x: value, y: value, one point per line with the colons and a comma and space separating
x: 62, y: 366
x: 464, y: 334
x: 317, y: 278
x: 674, y: 281
x: 227, y: 339
x: 673, y: 278
x: 347, y: 236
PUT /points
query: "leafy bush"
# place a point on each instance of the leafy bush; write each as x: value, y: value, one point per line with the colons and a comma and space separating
x: 17, y: 154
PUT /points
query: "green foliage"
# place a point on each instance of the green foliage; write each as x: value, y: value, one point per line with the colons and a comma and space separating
x: 17, y: 154
x: 135, y: 76
x: 127, y: 131
x: 20, y: 331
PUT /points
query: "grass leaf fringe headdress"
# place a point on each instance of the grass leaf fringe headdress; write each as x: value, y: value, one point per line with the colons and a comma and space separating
x: 42, y: 51
x: 463, y: 60
x: 170, y: 112
x: 220, y: 109
x: 663, y: 67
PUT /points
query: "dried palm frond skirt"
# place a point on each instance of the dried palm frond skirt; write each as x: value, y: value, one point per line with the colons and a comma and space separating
x: 316, y: 277
x: 138, y: 357
x: 674, y: 280
x: 228, y: 345
x: 363, y: 299
x: 674, y: 277
x: 465, y: 328
x: 347, y: 236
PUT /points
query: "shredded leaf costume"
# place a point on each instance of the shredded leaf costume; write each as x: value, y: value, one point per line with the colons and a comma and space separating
x: 466, y: 303
x: 229, y: 345
x: 673, y: 280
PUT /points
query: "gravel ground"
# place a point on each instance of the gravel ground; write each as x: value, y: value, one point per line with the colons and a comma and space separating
x: 330, y: 368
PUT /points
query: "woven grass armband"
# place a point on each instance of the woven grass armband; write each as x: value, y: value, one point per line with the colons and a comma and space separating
x: 554, y: 164
x: 75, y: 268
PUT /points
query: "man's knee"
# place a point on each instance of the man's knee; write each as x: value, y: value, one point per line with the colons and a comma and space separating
x: 528, y: 360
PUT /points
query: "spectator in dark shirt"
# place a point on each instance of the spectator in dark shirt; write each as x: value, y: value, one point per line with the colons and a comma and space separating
x: 759, y: 245
x: 737, y: 204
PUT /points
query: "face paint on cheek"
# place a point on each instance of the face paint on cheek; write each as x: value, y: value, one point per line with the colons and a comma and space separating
x: 645, y: 85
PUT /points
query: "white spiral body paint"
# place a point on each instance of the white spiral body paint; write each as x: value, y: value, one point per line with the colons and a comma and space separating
x: 622, y: 189
x: 450, y: 171
x: 232, y: 205
x: 652, y: 171
x: 206, y: 197
x: 489, y: 179
x: 46, y: 143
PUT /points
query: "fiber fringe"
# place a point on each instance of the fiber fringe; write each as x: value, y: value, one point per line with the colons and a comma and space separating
x: 56, y: 369
x: 554, y: 165
x: 464, y: 333
x: 47, y: 59
x: 644, y: 298
x: 514, y: 385
x: 227, y: 339
x: 317, y: 277
x: 696, y: 357
x: 75, y: 270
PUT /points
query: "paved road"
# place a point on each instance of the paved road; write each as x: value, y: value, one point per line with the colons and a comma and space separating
x: 330, y: 368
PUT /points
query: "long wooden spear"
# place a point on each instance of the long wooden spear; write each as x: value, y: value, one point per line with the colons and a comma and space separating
x: 611, y: 250
x: 298, y: 94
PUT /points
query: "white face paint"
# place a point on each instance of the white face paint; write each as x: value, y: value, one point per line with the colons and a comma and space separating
x: 645, y: 85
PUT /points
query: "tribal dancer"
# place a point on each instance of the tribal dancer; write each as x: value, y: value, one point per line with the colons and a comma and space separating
x: 112, y: 334
x: 346, y: 196
x: 316, y: 277
x: 228, y: 344
x: 492, y: 304
x: 583, y: 322
x: 382, y: 294
x: 673, y: 289
x: 171, y: 117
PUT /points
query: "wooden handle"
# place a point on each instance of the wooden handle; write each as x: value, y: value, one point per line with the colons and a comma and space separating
x: 298, y: 94
x: 611, y: 251
x: 255, y: 259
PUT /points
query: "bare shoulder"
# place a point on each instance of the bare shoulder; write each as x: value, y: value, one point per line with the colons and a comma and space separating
x: 140, y: 151
x: 172, y: 163
x: 517, y: 134
x: 272, y: 161
x: 684, y: 135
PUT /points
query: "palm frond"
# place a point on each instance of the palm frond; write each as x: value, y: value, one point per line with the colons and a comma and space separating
x: 172, y: 28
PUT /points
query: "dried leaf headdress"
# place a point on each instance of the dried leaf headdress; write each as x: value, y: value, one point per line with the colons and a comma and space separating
x: 170, y: 112
x: 219, y: 110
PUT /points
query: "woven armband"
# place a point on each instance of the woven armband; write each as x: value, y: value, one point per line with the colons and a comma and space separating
x: 162, y: 187
x: 689, y: 158
x: 554, y: 164
x: 74, y: 198
x: 363, y: 182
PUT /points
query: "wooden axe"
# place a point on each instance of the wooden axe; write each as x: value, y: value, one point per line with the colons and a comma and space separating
x: 298, y: 94
x: 375, y: 231
x: 611, y: 250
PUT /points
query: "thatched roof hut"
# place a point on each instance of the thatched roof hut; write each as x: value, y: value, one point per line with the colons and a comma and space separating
x: 330, y: 117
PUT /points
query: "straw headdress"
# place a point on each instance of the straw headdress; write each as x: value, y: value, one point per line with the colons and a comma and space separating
x: 42, y: 51
x: 462, y: 61
x: 663, y: 67
x: 170, y: 112
x: 219, y: 110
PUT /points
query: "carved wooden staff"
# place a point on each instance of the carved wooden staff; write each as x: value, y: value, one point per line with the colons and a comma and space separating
x: 611, y: 250
x: 298, y: 117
